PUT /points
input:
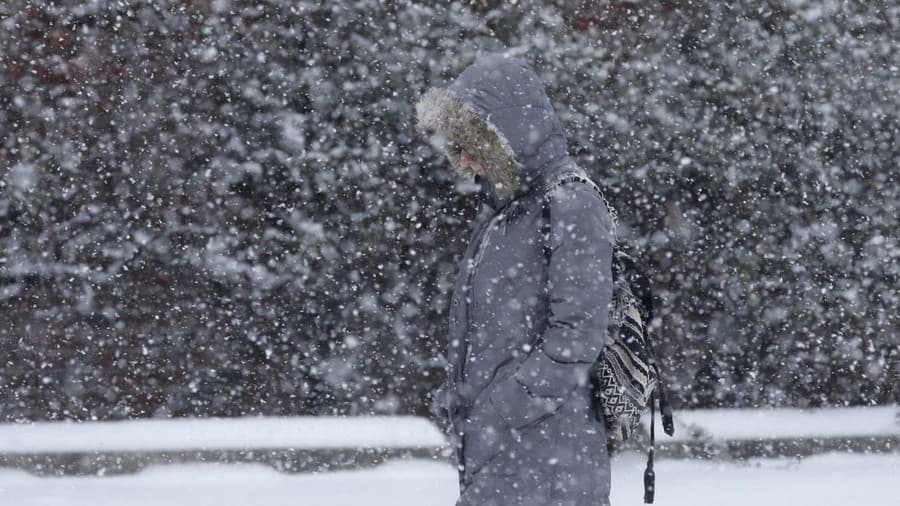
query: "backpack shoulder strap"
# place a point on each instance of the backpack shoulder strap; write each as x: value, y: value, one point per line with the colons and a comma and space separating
x: 577, y: 174
x: 546, y: 230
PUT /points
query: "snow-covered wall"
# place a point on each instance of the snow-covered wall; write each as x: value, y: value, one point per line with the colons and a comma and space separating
x: 305, y: 433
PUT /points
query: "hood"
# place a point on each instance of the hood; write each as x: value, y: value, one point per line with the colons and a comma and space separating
x: 497, y: 109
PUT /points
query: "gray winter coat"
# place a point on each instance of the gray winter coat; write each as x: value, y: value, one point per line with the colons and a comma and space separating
x: 522, y: 334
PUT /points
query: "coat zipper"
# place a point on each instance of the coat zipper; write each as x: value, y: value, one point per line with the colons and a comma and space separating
x: 484, y: 241
x: 479, y: 255
x: 482, y: 247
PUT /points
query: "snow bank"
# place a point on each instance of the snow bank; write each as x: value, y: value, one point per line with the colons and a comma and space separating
x: 401, y: 432
x: 783, y: 423
x: 221, y: 434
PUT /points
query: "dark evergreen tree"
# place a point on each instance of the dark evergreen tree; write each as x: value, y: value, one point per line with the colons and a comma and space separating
x: 222, y: 208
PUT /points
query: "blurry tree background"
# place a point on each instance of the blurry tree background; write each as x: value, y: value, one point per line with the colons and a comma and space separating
x: 222, y: 208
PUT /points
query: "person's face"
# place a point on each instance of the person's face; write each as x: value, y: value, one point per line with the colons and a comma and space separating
x: 471, y: 163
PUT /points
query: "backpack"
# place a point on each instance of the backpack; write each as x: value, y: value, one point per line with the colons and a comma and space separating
x: 625, y: 378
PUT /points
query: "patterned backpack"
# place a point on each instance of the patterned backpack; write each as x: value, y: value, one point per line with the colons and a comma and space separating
x: 625, y: 378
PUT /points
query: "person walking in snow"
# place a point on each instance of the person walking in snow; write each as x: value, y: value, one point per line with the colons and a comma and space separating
x: 528, y: 311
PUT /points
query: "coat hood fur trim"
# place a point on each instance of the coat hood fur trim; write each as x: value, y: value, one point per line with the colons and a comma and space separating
x: 451, y: 125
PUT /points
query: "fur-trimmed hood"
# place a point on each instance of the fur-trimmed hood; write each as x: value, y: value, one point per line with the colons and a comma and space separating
x: 498, y: 110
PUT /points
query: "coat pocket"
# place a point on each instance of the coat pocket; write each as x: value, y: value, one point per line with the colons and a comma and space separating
x: 529, y: 456
x: 486, y: 435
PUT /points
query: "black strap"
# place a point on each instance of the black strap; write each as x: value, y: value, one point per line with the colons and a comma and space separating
x: 649, y: 474
x: 665, y: 408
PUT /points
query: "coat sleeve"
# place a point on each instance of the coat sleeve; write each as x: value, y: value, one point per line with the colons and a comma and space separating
x: 580, y: 289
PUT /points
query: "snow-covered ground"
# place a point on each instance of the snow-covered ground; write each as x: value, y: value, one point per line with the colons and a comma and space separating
x: 824, y: 480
